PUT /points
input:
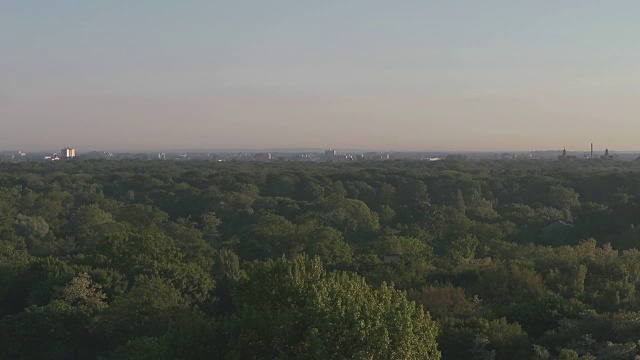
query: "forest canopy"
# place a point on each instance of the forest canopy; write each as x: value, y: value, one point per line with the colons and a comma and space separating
x: 374, y: 260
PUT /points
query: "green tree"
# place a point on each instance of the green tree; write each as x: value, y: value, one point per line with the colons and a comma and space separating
x: 463, y: 247
x: 325, y: 242
x: 295, y: 309
x: 81, y: 291
x: 443, y: 300
x: 271, y: 237
x: 562, y: 197
x: 210, y: 226
x: 134, y: 253
x: 148, y: 309
x: 34, y: 229
x: 352, y: 217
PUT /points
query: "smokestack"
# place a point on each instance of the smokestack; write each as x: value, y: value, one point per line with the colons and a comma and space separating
x: 592, y: 150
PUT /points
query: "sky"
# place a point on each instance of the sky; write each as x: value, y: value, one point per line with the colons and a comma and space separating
x: 358, y: 74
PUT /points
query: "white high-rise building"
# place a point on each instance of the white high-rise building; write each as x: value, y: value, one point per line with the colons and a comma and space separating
x: 67, y: 153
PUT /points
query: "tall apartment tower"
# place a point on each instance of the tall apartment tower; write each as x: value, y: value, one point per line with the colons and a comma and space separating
x: 330, y: 153
x: 67, y: 153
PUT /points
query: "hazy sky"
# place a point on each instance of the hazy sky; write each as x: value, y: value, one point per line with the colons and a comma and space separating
x: 404, y: 75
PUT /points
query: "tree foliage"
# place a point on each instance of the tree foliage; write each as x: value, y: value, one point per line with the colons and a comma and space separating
x: 240, y: 260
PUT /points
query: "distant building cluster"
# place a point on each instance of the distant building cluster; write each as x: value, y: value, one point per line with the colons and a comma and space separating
x: 606, y: 155
x: 319, y: 155
x: 67, y: 153
x: 333, y: 155
x: 565, y: 157
x: 330, y: 154
x: 262, y: 157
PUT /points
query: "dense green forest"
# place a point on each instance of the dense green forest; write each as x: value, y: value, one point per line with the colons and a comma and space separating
x: 373, y: 260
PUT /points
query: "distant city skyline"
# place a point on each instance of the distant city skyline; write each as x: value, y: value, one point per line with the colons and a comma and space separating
x: 79, y: 150
x: 397, y: 76
x: 316, y: 155
x: 311, y: 150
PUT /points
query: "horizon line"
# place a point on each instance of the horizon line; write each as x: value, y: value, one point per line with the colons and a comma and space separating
x: 310, y: 149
